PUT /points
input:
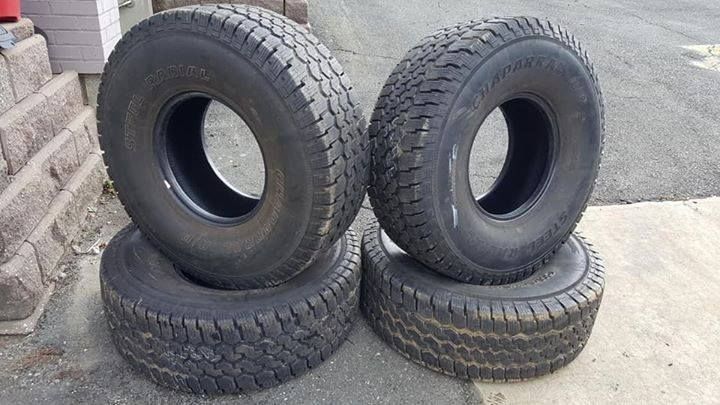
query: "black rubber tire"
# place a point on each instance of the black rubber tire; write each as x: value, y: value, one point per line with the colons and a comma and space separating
x: 211, y: 341
x: 293, y: 95
x: 423, y: 127
x: 494, y: 333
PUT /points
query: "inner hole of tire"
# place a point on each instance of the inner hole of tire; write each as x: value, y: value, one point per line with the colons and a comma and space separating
x: 210, y: 158
x: 233, y: 151
x: 510, y: 157
x: 488, y: 154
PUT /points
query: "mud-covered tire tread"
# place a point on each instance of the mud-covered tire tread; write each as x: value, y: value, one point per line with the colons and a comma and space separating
x: 474, y: 338
x: 323, y: 102
x: 422, y: 87
x: 250, y: 350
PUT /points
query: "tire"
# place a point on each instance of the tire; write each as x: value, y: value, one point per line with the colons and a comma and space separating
x: 292, y: 94
x: 211, y: 341
x: 495, y: 333
x: 424, y: 125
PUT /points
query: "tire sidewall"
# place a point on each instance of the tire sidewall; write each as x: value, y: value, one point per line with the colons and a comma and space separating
x: 546, y: 69
x: 138, y: 272
x: 568, y: 268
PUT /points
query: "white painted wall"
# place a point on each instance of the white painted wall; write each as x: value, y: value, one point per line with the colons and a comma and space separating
x: 80, y: 33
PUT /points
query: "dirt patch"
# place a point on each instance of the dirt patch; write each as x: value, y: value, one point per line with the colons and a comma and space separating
x: 70, y: 374
x: 39, y: 357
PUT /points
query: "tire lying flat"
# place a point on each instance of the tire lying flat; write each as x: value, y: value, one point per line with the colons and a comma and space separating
x: 424, y: 125
x: 294, y: 97
x: 497, y: 333
x: 211, y: 341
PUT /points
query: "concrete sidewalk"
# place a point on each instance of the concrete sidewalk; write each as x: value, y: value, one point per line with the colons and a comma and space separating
x: 657, y: 337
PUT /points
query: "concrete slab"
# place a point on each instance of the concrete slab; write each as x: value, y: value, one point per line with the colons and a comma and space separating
x: 657, y: 336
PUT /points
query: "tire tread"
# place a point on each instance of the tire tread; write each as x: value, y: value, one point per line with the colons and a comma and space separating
x: 477, y: 338
x: 222, y: 353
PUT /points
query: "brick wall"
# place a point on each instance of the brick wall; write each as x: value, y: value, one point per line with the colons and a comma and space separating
x: 80, y: 33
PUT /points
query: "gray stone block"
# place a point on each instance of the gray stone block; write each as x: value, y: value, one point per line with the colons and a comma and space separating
x: 84, y: 129
x: 27, y: 325
x: 7, y: 97
x: 87, y: 184
x: 25, y: 200
x: 66, y: 216
x: 4, y: 177
x: 60, y: 158
x: 29, y: 66
x: 22, y: 29
x: 24, y: 130
x: 55, y: 232
x: 64, y: 98
x: 21, y: 285
x: 92, y: 130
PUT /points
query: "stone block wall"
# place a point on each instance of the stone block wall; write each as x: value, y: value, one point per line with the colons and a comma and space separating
x: 51, y: 171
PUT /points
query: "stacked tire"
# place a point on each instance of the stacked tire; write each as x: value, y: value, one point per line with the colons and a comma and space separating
x: 213, y: 290
x: 494, y: 287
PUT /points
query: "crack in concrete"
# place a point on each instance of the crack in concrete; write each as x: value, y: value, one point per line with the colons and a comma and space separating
x: 674, y: 31
x: 350, y: 51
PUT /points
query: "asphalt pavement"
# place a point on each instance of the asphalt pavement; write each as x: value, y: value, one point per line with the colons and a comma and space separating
x: 661, y: 104
x: 663, y: 115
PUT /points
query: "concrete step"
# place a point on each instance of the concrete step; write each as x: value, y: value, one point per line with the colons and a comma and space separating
x: 29, y: 125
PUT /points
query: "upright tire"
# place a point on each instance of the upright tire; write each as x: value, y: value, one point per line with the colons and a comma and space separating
x: 291, y: 93
x: 210, y: 341
x: 496, y: 333
x: 424, y: 125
